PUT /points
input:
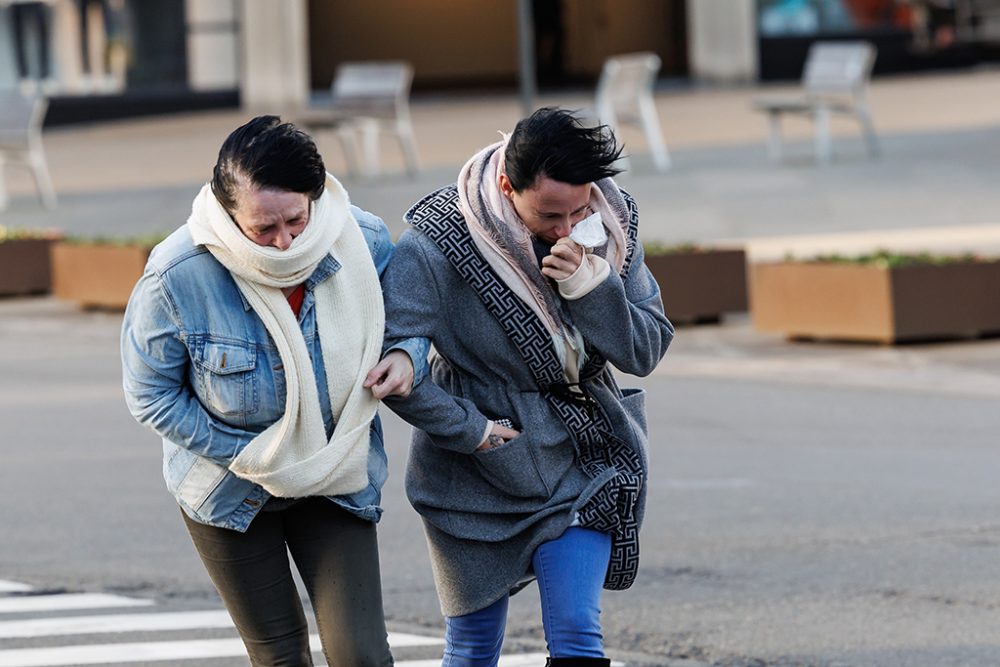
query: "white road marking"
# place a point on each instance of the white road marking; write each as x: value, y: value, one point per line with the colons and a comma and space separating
x: 96, y: 654
x: 402, y: 639
x: 88, y: 625
x: 64, y: 601
x: 523, y: 660
x: 13, y: 587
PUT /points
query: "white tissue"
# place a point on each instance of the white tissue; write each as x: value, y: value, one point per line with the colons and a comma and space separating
x: 590, y: 232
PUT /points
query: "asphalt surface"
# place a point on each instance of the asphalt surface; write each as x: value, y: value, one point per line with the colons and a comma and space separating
x: 809, y: 503
x: 819, y: 518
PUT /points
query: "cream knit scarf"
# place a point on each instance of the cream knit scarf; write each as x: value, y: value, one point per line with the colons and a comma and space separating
x: 292, y: 458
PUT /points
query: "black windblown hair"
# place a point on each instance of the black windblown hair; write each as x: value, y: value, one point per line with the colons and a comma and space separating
x: 267, y: 153
x: 553, y: 142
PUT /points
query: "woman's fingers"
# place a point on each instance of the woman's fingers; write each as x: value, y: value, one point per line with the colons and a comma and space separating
x: 497, y: 437
x: 504, y: 432
x: 393, y: 376
x: 563, y: 259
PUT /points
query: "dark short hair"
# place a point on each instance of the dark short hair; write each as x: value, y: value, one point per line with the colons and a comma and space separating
x: 553, y: 142
x: 267, y: 153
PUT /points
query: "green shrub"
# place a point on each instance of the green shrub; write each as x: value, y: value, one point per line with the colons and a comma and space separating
x: 20, y: 234
x: 656, y: 248
x: 141, y: 241
x: 887, y: 259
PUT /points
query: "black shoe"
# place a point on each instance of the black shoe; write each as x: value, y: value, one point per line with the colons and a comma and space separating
x: 578, y: 662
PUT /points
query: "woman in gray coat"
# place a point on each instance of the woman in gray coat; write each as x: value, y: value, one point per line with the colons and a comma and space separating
x: 528, y: 461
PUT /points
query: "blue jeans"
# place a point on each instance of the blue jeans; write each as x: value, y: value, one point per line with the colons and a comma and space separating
x: 570, y: 572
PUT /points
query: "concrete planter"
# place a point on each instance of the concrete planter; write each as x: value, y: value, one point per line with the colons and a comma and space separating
x: 25, y: 267
x: 700, y: 285
x: 858, y: 302
x: 97, y: 275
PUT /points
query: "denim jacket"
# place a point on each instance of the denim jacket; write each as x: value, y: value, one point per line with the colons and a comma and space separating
x: 200, y: 369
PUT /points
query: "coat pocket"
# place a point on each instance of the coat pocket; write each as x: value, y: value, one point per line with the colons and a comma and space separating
x: 228, y: 380
x: 634, y: 404
x: 511, y: 468
x: 199, y: 483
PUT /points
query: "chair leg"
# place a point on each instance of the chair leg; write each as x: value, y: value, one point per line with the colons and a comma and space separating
x: 368, y: 129
x: 654, y: 136
x: 871, y: 139
x: 821, y: 118
x: 349, y: 143
x: 606, y: 116
x: 408, y: 144
x: 4, y: 199
x: 775, y: 148
x: 39, y: 169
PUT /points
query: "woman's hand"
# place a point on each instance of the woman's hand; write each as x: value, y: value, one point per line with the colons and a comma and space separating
x: 498, y: 436
x: 563, y: 260
x: 393, y: 376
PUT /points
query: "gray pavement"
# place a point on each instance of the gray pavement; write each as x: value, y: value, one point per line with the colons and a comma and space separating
x: 810, y: 504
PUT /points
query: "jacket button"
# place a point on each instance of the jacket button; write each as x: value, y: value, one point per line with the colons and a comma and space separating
x: 252, y: 503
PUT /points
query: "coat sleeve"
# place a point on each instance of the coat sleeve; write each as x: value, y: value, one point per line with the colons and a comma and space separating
x: 155, y: 364
x: 413, y: 308
x: 380, y: 245
x: 624, y: 319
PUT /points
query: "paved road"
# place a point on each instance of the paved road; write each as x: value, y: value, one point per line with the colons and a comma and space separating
x: 818, y: 518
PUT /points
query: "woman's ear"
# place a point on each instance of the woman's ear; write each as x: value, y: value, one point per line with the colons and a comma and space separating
x: 505, y: 186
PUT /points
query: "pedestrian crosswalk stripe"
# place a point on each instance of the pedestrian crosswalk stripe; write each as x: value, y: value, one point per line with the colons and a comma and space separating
x: 13, y: 587
x: 91, y: 625
x: 521, y: 660
x: 20, y: 604
x: 153, y: 651
x: 403, y: 639
x: 96, y: 654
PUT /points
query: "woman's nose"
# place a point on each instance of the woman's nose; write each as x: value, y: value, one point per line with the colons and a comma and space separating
x: 564, y: 228
x: 283, y: 239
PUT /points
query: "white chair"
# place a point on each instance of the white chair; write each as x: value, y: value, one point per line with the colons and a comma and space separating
x: 835, y: 80
x: 369, y: 98
x: 625, y: 96
x: 21, y: 142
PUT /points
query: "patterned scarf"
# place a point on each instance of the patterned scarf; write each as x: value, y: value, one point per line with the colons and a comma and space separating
x: 506, y: 243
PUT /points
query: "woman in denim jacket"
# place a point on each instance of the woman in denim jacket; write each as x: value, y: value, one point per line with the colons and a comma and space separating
x: 252, y: 346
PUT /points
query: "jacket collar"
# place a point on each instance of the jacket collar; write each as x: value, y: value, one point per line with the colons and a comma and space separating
x: 326, y: 268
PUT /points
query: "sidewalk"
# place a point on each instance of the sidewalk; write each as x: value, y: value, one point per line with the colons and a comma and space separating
x: 933, y: 188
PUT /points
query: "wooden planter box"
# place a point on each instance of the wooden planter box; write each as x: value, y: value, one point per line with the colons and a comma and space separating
x: 699, y: 286
x: 870, y: 303
x: 25, y: 267
x: 97, y: 275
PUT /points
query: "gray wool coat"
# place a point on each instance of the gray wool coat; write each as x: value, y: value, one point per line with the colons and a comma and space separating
x: 486, y: 512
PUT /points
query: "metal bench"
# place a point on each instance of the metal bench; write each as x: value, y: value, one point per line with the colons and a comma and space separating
x: 368, y: 98
x: 835, y: 80
x: 625, y: 96
x: 21, y: 142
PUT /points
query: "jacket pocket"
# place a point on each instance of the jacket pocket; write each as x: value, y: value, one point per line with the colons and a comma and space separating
x: 228, y: 378
x: 200, y: 481
x: 634, y: 404
x: 511, y: 468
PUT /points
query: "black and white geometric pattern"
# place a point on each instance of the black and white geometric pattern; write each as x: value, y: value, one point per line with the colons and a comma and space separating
x: 612, y: 509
